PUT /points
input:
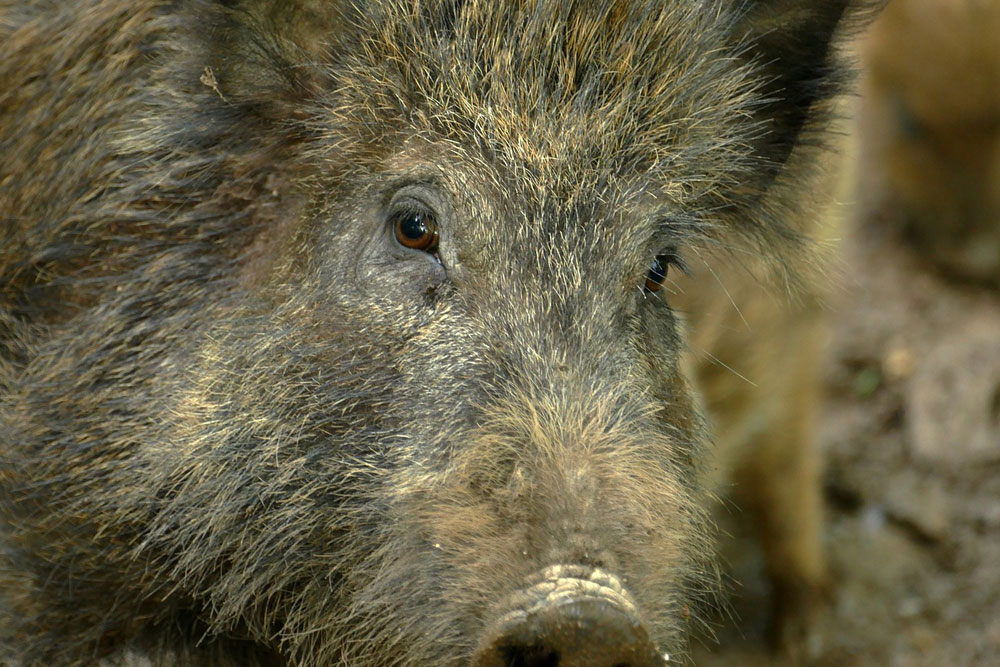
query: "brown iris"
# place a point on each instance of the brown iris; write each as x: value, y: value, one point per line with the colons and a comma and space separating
x: 417, y: 230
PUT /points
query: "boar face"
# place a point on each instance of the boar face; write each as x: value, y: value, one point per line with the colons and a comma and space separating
x: 344, y: 339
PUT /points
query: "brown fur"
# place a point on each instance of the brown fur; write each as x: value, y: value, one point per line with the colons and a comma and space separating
x: 242, y: 425
x: 755, y: 357
x: 930, y: 132
x: 754, y: 353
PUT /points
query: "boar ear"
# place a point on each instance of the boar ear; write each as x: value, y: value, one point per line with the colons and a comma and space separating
x: 793, y: 43
x: 270, y: 55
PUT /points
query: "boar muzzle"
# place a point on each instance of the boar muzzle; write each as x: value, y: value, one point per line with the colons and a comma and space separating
x: 572, y: 617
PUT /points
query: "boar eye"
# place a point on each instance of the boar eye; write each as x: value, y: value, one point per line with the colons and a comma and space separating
x: 658, y: 270
x: 416, y: 229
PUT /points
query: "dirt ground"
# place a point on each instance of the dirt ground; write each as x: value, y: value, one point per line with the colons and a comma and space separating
x: 910, y: 431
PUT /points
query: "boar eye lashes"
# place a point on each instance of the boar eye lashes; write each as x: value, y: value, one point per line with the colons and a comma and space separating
x: 658, y: 269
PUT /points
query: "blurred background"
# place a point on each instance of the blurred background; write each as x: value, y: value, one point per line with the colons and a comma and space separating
x: 909, y: 423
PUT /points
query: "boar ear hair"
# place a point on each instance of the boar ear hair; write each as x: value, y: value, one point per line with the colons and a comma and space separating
x: 794, y: 45
x: 269, y: 55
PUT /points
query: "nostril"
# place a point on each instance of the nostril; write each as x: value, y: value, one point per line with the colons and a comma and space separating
x: 583, y: 633
x: 529, y: 656
x: 566, y: 620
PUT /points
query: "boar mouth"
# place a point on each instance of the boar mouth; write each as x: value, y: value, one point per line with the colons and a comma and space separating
x: 570, y: 616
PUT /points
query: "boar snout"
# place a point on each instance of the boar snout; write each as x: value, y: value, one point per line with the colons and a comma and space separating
x: 573, y: 617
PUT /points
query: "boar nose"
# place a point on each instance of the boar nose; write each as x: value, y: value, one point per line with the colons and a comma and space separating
x: 591, y: 633
x: 575, y: 624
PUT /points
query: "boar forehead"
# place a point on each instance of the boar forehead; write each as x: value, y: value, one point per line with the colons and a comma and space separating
x: 558, y: 101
